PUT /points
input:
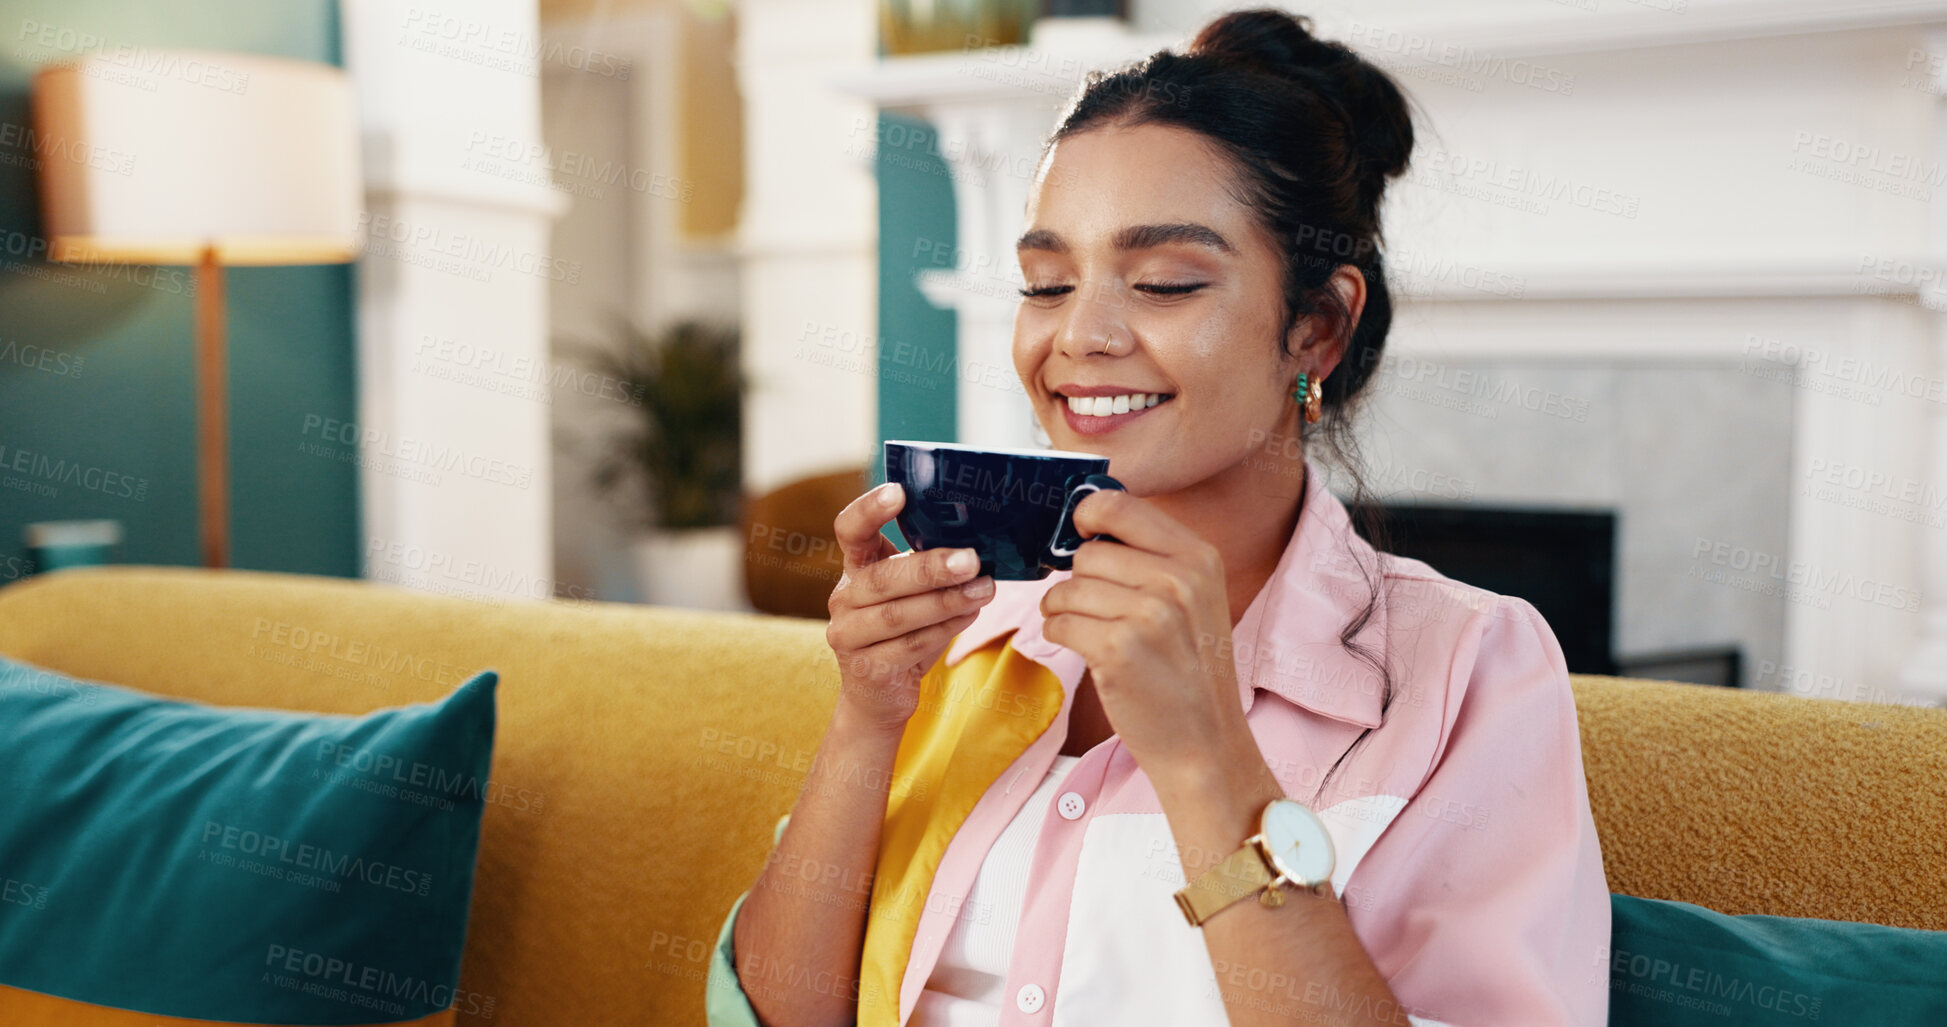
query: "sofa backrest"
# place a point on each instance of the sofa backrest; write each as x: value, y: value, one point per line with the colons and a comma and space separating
x: 1757, y: 802
x: 644, y: 754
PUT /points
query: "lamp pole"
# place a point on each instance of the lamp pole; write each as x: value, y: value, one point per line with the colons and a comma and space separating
x: 212, y: 412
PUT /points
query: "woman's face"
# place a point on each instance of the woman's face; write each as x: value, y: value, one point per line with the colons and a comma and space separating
x: 1147, y: 279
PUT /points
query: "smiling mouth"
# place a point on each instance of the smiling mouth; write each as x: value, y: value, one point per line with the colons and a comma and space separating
x: 1109, y: 406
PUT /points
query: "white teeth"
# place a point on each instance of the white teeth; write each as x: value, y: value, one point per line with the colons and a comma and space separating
x: 1108, y: 406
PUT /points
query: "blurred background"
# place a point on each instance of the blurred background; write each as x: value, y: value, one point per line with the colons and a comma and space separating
x: 640, y: 286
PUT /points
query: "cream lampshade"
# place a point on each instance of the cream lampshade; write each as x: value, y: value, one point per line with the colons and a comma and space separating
x: 204, y: 159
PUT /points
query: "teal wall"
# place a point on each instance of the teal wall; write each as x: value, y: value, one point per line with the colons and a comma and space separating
x: 97, y: 366
x: 918, y: 390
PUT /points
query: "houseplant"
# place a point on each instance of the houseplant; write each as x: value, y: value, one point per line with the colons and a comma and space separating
x: 675, y: 460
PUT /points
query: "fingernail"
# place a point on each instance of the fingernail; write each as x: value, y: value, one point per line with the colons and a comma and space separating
x: 888, y: 493
x: 962, y: 561
x: 978, y: 588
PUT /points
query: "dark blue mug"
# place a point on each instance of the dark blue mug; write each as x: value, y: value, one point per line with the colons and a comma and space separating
x: 1015, y: 508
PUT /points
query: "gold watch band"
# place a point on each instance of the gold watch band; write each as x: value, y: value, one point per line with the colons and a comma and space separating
x: 1236, y: 878
x: 1240, y: 874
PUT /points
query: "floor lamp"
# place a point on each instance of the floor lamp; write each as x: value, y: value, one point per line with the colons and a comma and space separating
x: 206, y: 160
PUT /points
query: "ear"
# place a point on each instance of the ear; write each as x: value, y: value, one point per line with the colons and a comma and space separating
x: 1321, y: 352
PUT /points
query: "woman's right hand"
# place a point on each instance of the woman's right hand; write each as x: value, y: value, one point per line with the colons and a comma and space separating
x: 894, y: 613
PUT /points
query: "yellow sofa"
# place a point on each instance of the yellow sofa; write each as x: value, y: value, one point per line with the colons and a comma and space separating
x: 644, y: 754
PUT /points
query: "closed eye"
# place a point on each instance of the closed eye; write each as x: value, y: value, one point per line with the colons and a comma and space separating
x: 1153, y: 288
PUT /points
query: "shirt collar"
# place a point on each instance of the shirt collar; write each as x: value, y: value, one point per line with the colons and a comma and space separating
x: 1288, y: 639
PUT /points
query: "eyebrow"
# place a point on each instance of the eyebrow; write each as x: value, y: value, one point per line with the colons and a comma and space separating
x: 1134, y: 237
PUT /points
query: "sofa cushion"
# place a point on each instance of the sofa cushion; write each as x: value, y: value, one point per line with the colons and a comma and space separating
x: 257, y: 866
x: 1673, y: 964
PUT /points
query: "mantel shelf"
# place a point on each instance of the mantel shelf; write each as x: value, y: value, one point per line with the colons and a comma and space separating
x: 1510, y: 29
x: 1059, y: 54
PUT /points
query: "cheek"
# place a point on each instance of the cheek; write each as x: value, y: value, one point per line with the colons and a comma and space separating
x: 1239, y: 401
x: 1231, y: 428
x: 1030, y: 348
x: 1223, y: 364
x: 1206, y: 338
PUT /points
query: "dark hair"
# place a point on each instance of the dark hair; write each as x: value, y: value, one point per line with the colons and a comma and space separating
x: 1311, y: 132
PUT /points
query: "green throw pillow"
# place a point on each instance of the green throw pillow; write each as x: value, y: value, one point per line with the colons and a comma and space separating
x: 1673, y: 964
x: 244, y: 865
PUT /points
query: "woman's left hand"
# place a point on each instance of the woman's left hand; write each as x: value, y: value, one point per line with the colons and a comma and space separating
x: 1150, y: 615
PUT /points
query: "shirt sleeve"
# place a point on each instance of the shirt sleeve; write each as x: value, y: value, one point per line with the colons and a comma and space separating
x: 1484, y: 902
x: 725, y: 1004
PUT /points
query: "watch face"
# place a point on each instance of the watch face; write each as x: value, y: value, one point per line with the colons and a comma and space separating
x: 1299, y: 846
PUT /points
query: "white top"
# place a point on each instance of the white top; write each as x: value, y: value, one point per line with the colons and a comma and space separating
x: 967, y: 983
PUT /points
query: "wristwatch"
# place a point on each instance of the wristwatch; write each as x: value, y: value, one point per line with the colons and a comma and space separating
x: 1291, y: 846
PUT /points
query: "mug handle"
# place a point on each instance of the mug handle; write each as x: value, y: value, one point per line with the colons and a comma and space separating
x: 1061, y: 548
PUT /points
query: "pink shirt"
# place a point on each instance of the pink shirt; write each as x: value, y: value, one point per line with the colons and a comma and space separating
x: 1467, y: 856
x: 968, y: 985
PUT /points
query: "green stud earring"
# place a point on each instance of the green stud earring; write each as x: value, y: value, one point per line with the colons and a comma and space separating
x: 1301, y: 388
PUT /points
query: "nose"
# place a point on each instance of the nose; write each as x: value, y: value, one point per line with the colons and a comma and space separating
x: 1094, y: 324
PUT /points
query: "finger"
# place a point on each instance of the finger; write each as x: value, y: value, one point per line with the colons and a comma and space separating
x: 857, y: 526
x: 1093, y: 597
x: 870, y: 625
x: 1076, y: 631
x: 1126, y: 565
x: 913, y: 573
x: 1134, y: 522
x: 909, y: 648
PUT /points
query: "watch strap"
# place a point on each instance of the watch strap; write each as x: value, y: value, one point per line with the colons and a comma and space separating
x: 1238, y: 876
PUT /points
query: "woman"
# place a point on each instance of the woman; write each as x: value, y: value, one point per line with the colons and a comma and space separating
x: 1201, y: 239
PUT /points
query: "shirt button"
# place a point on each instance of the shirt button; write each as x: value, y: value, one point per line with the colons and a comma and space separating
x: 1029, y: 998
x: 1070, y: 805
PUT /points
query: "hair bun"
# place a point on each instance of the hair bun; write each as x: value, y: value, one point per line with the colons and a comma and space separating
x: 1269, y: 40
